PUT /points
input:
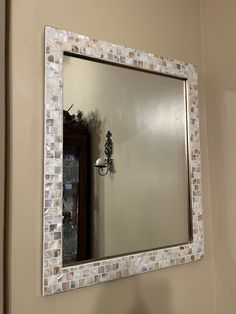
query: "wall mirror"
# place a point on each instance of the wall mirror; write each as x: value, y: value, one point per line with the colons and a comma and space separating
x: 122, y: 180
x: 129, y: 208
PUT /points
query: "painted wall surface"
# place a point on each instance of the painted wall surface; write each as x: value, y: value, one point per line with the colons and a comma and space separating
x: 219, y: 24
x: 2, y: 140
x: 165, y: 27
x: 131, y: 207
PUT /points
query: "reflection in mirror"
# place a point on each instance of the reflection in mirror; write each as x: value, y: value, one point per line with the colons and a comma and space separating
x: 142, y: 202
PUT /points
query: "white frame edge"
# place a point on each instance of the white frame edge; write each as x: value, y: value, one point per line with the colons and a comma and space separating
x: 57, y: 278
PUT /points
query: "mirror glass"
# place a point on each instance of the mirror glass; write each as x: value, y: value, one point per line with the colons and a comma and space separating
x: 142, y: 203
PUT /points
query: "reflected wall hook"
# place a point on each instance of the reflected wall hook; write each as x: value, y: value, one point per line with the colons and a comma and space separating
x: 104, y: 164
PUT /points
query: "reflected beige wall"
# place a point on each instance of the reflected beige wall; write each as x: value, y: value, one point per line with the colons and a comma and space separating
x: 131, y: 206
x: 2, y: 140
x: 219, y: 24
x: 166, y: 27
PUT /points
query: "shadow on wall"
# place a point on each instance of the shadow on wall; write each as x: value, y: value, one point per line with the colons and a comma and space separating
x: 97, y: 133
x: 95, y: 126
x: 136, y: 298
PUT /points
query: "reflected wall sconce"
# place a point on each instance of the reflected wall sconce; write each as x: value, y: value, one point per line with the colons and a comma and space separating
x: 104, y: 164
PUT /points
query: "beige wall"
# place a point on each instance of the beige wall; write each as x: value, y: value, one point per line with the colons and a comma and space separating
x: 166, y: 27
x: 2, y: 140
x: 219, y: 25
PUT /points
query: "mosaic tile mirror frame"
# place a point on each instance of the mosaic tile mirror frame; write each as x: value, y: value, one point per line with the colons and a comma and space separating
x: 56, y: 278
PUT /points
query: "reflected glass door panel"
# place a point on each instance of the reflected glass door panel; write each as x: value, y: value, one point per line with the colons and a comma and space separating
x: 70, y: 204
x: 75, y: 199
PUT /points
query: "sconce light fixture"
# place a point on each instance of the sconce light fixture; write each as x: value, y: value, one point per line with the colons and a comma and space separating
x: 104, y: 164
